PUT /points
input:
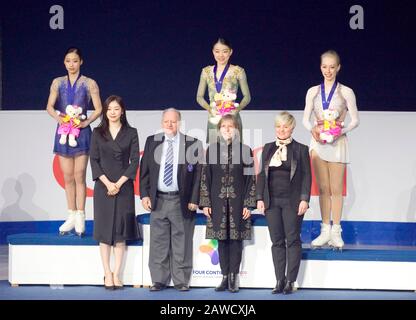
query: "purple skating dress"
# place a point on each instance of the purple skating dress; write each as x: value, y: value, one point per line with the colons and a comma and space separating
x: 78, y: 94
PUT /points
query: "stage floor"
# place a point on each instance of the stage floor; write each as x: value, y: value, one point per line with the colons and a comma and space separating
x: 45, y: 292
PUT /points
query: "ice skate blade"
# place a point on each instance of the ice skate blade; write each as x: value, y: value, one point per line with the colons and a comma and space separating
x: 314, y: 246
x: 334, y: 248
x: 64, y: 233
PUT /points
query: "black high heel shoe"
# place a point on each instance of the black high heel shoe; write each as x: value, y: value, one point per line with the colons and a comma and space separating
x: 108, y: 287
x: 116, y: 287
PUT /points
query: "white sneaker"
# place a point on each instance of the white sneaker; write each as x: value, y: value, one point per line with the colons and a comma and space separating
x: 324, y: 237
x: 336, y: 239
x: 80, y: 222
x: 69, y: 224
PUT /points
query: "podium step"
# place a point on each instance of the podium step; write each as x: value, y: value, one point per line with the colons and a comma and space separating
x: 42, y: 258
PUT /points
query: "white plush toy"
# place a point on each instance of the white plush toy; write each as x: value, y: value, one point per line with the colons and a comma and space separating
x: 330, y: 126
x: 72, y: 117
x: 223, y: 103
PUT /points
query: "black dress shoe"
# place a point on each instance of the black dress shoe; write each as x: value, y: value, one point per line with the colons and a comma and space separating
x: 157, y: 286
x: 279, y: 286
x: 288, y: 289
x: 181, y: 287
x: 224, y: 283
x: 233, y: 283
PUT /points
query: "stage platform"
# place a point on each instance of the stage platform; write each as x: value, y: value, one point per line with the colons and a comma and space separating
x: 44, y: 258
x: 47, y: 258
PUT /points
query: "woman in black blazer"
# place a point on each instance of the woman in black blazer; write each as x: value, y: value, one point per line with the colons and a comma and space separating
x: 283, y: 191
x: 114, y: 160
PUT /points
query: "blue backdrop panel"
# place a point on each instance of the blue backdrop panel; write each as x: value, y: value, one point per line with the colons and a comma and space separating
x: 151, y: 52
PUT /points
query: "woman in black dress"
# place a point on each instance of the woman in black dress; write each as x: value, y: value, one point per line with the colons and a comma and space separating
x: 227, y: 195
x: 114, y: 161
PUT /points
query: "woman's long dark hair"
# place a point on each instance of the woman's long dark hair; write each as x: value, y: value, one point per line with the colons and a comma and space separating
x: 223, y: 41
x: 103, y: 127
x: 73, y: 50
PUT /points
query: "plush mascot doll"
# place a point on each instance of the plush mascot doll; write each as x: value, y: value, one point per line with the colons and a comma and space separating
x: 330, y: 127
x: 223, y: 103
x: 67, y: 130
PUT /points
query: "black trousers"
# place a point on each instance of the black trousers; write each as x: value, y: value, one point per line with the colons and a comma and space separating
x: 285, y: 228
x: 230, y: 252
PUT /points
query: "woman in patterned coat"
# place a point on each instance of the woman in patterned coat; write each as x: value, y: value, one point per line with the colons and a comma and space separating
x: 227, y: 195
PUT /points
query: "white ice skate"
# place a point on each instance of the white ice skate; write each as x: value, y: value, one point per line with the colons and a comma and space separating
x: 336, y: 241
x: 80, y: 222
x: 323, y: 238
x: 69, y: 224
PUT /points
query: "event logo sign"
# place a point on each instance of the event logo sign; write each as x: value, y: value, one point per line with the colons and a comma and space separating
x: 211, y: 248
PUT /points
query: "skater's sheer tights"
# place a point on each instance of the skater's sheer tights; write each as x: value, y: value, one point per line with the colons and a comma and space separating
x: 329, y: 178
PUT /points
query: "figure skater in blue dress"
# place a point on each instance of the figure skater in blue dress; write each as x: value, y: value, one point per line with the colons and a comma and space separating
x: 78, y: 91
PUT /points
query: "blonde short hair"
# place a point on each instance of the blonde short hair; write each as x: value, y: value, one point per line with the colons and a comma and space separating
x: 285, y: 117
x: 332, y: 53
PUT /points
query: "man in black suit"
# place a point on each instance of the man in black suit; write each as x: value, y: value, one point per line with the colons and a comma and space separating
x: 170, y: 174
x: 283, y: 191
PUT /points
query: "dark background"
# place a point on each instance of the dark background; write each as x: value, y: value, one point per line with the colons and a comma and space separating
x: 151, y: 52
